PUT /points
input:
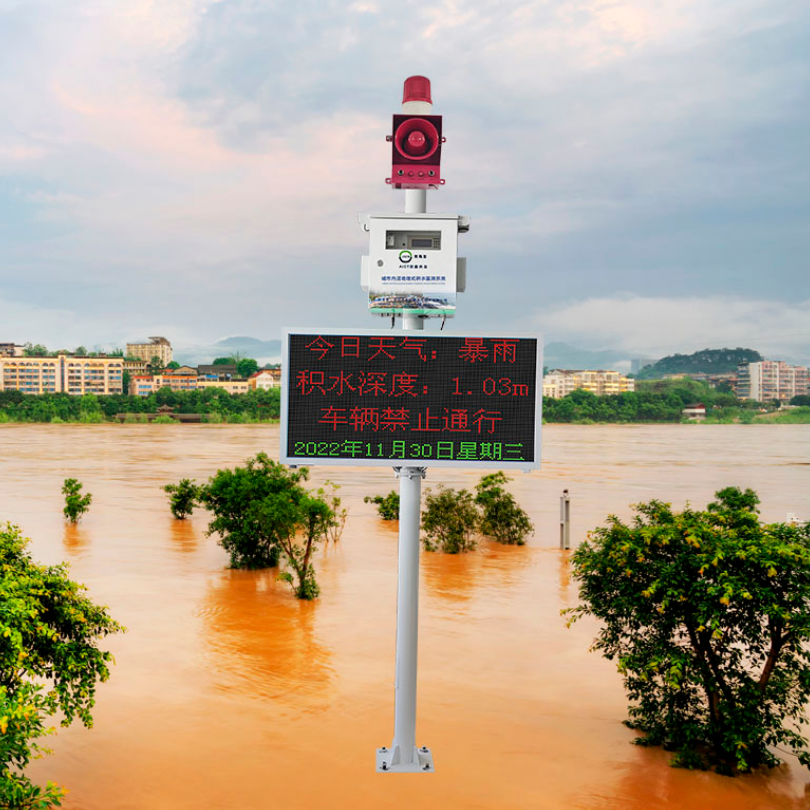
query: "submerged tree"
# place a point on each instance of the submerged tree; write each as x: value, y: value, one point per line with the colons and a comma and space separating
x: 183, y: 497
x: 299, y: 512
x: 501, y: 517
x: 449, y: 520
x: 76, y: 504
x: 49, y: 663
x: 707, y: 614
x: 262, y: 512
x: 339, y: 512
x: 387, y: 505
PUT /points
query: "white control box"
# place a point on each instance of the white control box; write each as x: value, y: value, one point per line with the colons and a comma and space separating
x: 413, y: 263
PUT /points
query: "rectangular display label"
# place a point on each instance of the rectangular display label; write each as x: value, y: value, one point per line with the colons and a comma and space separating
x: 400, y: 398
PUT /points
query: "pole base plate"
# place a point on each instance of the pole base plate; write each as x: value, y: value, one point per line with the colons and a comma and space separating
x: 390, y: 761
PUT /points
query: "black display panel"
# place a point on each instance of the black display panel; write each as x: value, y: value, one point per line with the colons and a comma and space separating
x: 421, y: 399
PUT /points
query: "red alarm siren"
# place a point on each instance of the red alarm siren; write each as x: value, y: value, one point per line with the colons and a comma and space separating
x: 417, y: 88
x: 416, y: 151
x: 416, y: 139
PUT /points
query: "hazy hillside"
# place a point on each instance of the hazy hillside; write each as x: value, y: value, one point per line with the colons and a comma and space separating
x: 707, y: 361
x: 561, y: 355
x: 264, y: 351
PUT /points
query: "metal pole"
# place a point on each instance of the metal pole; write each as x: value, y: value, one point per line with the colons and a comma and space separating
x: 565, y: 520
x: 404, y: 755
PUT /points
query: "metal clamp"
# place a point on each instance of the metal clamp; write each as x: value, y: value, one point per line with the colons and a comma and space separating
x: 410, y: 472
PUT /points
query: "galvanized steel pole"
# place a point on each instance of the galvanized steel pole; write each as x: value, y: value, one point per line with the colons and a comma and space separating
x: 404, y: 755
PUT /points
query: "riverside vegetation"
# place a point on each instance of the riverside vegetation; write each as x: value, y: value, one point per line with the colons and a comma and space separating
x: 707, y: 615
x: 213, y: 404
x: 49, y: 663
x: 652, y: 402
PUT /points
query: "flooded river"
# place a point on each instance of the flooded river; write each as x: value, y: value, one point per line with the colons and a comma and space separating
x: 229, y: 693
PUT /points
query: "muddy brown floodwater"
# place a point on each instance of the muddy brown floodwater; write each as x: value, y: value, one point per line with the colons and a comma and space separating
x: 229, y: 693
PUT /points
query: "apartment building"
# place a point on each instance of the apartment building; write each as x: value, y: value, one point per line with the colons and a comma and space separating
x: 157, y: 347
x: 561, y: 382
x: 64, y: 373
x: 265, y: 379
x: 136, y: 366
x: 178, y: 379
x: 231, y: 386
x: 771, y: 380
x: 184, y: 378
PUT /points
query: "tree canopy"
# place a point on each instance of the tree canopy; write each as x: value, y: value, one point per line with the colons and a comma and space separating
x: 49, y: 662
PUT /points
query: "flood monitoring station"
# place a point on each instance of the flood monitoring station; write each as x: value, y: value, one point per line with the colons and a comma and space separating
x: 410, y: 400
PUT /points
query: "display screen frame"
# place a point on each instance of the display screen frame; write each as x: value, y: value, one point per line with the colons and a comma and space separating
x: 505, y: 464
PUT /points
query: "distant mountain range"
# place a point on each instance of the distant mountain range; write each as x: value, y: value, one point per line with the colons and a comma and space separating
x: 263, y: 351
x: 555, y: 355
x: 561, y: 355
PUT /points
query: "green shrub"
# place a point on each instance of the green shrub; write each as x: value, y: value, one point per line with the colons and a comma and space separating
x: 707, y: 615
x: 501, y: 519
x: 76, y: 504
x: 183, y: 497
x: 449, y: 521
x: 164, y: 419
x: 387, y: 505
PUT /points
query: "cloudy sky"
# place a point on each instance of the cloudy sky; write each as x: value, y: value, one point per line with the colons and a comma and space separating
x: 636, y: 171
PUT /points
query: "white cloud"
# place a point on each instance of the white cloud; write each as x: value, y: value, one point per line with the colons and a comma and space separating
x: 661, y: 326
x: 361, y: 7
x: 59, y: 328
x: 181, y: 150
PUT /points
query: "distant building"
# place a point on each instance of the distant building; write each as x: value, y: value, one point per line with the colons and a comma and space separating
x: 561, y: 382
x: 178, y: 379
x: 231, y: 386
x: 222, y: 371
x: 136, y: 366
x: 157, y: 347
x: 771, y: 380
x: 11, y: 350
x: 185, y: 378
x: 265, y: 379
x: 638, y: 363
x: 695, y: 412
x: 64, y: 373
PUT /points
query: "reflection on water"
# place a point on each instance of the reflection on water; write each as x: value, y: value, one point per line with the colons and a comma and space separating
x: 75, y: 539
x: 565, y: 576
x: 263, y: 642
x: 460, y: 577
x: 184, y: 536
x: 229, y: 693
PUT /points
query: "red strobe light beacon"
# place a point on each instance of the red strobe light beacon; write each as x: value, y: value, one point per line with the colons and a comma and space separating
x: 416, y: 139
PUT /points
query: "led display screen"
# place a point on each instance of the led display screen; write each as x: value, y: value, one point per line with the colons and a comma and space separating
x: 411, y: 398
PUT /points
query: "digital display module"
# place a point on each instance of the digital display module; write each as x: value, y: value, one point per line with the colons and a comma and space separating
x: 410, y: 398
